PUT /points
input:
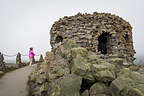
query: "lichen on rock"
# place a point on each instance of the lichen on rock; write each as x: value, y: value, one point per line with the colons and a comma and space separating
x: 128, y: 83
x: 79, y: 66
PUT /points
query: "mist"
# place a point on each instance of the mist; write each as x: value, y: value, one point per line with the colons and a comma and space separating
x: 27, y: 23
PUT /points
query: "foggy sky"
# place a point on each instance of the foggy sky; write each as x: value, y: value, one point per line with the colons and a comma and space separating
x: 26, y: 23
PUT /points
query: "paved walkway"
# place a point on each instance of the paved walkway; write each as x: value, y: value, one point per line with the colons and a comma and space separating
x: 15, y: 83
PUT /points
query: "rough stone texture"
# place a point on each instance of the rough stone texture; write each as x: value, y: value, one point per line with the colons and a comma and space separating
x: 128, y: 83
x: 18, y: 59
x: 37, y: 81
x: 6, y: 67
x: 41, y: 58
x: 99, y: 77
x: 99, y: 88
x: 89, y: 66
x: 33, y: 60
x: 137, y: 68
x: 2, y: 63
x: 80, y: 66
x: 48, y: 71
x: 98, y: 32
x: 66, y: 86
x: 85, y: 93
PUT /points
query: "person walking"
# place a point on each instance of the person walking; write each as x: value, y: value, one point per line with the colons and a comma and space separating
x: 31, y: 56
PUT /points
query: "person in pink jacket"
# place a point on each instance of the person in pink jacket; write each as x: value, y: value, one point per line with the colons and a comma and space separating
x: 31, y: 56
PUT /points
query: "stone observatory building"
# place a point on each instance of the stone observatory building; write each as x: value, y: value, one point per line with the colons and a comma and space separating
x: 102, y: 33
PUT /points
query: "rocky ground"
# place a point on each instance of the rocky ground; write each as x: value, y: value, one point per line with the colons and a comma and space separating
x: 75, y: 71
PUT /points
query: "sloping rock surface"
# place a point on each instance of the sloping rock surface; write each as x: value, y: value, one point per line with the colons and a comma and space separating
x: 75, y: 71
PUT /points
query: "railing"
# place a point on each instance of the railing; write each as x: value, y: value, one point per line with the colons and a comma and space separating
x: 18, y: 58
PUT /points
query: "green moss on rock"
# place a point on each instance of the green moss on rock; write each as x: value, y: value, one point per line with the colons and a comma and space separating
x: 68, y: 85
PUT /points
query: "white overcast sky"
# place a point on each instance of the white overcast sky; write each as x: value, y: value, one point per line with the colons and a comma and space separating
x: 26, y: 23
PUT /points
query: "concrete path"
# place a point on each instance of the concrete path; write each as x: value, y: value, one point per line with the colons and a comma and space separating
x: 15, y: 83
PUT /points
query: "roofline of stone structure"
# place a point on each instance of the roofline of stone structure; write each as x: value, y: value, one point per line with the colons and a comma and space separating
x: 94, y: 13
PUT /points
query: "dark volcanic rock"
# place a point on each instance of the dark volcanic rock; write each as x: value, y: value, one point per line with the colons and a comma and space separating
x: 128, y: 83
x: 98, y: 32
x: 68, y: 85
x: 99, y: 89
x: 79, y: 72
x: 80, y: 66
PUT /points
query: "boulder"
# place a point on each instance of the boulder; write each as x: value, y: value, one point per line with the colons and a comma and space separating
x: 103, y: 72
x: 101, y: 69
x: 58, y: 67
x: 58, y: 72
x: 75, y: 71
x: 116, y: 61
x: 79, y: 64
x: 83, y: 52
x: 85, y: 93
x: 68, y: 85
x: 90, y: 66
x: 99, y: 89
x: 128, y: 83
x: 64, y: 50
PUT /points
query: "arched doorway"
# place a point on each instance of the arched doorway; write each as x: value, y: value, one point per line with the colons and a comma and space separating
x: 103, y: 43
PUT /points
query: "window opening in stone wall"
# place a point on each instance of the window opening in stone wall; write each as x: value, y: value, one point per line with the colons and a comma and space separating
x: 102, y: 43
x: 126, y: 38
x: 58, y: 39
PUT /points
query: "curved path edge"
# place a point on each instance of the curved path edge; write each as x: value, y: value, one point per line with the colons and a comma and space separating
x: 15, y: 83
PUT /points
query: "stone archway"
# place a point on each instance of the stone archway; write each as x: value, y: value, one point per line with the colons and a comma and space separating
x: 104, y: 43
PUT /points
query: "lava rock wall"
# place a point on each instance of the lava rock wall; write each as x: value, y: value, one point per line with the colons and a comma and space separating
x: 99, y: 32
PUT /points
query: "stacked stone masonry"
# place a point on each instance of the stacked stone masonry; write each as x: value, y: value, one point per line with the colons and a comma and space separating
x: 2, y: 64
x: 18, y: 59
x: 99, y: 32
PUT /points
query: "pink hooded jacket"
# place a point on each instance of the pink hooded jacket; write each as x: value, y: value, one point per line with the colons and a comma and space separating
x: 31, y: 54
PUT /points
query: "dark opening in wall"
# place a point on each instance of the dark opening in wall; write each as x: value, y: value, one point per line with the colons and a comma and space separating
x: 102, y: 43
x: 86, y: 84
x: 126, y: 38
x: 58, y: 39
